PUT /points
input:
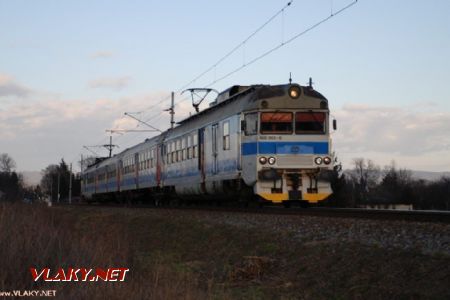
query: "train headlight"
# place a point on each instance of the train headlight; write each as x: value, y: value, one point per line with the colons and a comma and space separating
x: 294, y: 92
x: 318, y: 160
x: 327, y: 160
x: 262, y: 160
x: 272, y: 160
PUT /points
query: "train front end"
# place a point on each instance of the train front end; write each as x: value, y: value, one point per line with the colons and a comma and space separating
x: 286, y: 141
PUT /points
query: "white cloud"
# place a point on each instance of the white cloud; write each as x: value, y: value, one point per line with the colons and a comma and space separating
x: 42, y: 132
x: 116, y: 83
x: 9, y: 87
x: 407, y: 135
x: 102, y: 54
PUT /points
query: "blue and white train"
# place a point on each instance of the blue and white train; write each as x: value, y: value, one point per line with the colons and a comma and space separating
x: 263, y: 142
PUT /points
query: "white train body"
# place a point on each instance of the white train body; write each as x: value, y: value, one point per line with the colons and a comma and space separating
x: 271, y: 142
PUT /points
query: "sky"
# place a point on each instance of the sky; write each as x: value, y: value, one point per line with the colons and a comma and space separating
x: 69, y: 70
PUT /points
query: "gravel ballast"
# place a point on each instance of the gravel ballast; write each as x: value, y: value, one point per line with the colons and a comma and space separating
x: 427, y: 238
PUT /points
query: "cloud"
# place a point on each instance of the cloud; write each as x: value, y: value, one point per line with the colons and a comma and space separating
x: 102, y: 54
x: 392, y: 133
x: 110, y: 83
x: 9, y: 87
x: 41, y: 132
x: 85, y: 117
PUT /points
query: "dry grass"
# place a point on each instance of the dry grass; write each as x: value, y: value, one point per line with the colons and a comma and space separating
x: 174, y: 255
x: 35, y: 236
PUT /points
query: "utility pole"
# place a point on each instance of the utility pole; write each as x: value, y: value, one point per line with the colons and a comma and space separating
x: 110, y: 146
x: 172, y: 111
x: 70, y: 185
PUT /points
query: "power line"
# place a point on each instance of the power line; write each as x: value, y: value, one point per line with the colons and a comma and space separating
x: 219, y: 61
x: 237, y: 46
x: 228, y: 54
x: 254, y: 60
x: 282, y: 44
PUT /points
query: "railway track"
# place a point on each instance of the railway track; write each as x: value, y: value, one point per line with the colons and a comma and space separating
x: 383, y: 214
x: 378, y: 214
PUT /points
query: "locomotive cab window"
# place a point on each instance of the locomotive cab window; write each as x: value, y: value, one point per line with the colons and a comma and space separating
x: 276, y: 123
x: 310, y: 122
x: 251, y: 124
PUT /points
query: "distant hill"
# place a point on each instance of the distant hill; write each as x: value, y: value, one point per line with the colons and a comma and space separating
x: 31, y: 177
x: 431, y: 176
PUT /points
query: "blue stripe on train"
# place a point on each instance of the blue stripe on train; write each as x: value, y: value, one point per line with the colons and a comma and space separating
x: 284, y: 148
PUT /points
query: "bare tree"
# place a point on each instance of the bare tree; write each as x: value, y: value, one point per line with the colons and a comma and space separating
x: 58, y: 175
x: 366, y: 175
x: 7, y: 163
x: 396, y: 186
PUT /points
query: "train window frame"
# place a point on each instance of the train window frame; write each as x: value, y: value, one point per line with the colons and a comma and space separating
x: 183, y: 148
x: 178, y: 150
x: 195, y: 145
x: 189, y: 145
x: 251, y: 118
x: 274, y: 121
x: 226, y: 135
x: 312, y: 114
x: 174, y: 153
x: 168, y: 152
x: 152, y: 156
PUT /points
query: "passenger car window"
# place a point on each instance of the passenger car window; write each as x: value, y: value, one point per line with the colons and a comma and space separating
x: 226, y: 135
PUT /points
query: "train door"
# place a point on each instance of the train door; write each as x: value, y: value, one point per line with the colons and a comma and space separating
x: 214, y: 135
x: 201, y: 158
x: 119, y: 174
x: 106, y: 179
x: 95, y: 183
x: 159, y: 156
x: 249, y: 147
x: 136, y: 170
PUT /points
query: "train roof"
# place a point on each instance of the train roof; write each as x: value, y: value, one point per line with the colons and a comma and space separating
x: 262, y: 91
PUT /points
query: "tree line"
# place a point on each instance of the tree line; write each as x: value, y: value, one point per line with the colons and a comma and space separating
x: 368, y: 184
x: 54, y: 184
x: 365, y: 184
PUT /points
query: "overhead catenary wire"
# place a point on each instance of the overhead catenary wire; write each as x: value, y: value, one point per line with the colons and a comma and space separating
x: 219, y: 61
x: 251, y: 61
x: 228, y: 54
x: 282, y: 44
x: 241, y: 44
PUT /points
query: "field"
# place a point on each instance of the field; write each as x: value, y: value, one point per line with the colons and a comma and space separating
x: 176, y: 254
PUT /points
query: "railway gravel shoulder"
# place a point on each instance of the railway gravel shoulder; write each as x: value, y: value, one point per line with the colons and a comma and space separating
x: 326, y: 226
